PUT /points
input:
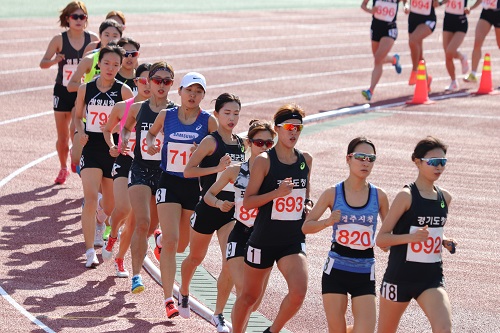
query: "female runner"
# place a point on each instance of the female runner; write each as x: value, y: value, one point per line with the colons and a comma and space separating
x: 122, y: 212
x: 350, y: 267
x: 259, y: 139
x: 279, y: 188
x: 414, y: 231
x: 216, y: 152
x: 95, y: 100
x: 384, y: 32
x: 67, y: 47
x: 490, y: 17
x: 177, y: 196
x: 455, y: 27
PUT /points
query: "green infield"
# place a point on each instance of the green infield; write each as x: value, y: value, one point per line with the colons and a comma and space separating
x: 50, y: 8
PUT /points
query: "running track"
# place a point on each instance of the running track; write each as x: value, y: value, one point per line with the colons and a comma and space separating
x: 319, y: 59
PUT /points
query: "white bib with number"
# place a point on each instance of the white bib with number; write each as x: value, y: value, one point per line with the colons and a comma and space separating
x: 241, y: 214
x: 144, y: 147
x: 229, y: 186
x: 490, y: 4
x: 178, y: 155
x: 455, y: 7
x: 422, y: 7
x: 428, y: 251
x: 97, y: 117
x: 355, y: 236
x: 68, y: 71
x: 385, y: 11
x: 289, y: 208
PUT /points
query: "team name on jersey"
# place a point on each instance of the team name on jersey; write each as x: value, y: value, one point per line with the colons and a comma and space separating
x: 296, y: 182
x: 101, y: 102
x: 237, y: 157
x: 184, y: 135
x: 145, y: 126
x: 360, y: 219
x: 438, y: 221
x: 72, y: 61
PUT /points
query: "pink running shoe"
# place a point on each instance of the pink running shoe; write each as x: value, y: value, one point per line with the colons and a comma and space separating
x: 157, y: 250
x: 62, y: 176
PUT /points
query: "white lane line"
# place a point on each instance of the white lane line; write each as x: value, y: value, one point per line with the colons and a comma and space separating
x: 33, y: 319
x: 439, y: 114
x: 7, y: 179
x: 5, y: 122
x: 22, y: 91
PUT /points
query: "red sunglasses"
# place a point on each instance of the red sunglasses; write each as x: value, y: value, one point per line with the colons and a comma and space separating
x: 260, y: 143
x: 158, y: 80
x: 291, y: 127
x: 141, y: 80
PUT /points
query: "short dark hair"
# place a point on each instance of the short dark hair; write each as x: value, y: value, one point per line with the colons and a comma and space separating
x: 426, y: 145
x: 129, y: 40
x: 357, y: 141
x: 112, y: 48
x: 145, y: 67
x: 110, y: 23
x: 226, y: 98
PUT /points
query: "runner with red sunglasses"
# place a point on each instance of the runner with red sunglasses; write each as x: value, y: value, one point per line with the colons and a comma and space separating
x: 279, y: 188
x: 350, y: 266
x: 122, y: 211
x: 414, y: 231
x: 67, y: 47
x: 259, y: 138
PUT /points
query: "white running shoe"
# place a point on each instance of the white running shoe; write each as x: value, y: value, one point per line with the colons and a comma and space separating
x: 120, y: 270
x: 99, y: 230
x: 220, y: 323
x: 465, y: 64
x: 183, y: 306
x: 100, y: 215
x: 106, y: 255
x: 453, y: 86
x: 92, y: 260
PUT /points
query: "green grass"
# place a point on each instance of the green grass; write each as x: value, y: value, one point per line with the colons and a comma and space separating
x: 50, y: 8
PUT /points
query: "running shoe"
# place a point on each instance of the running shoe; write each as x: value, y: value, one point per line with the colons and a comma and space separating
x: 106, y: 233
x: 157, y: 249
x: 396, y: 63
x: 453, y: 86
x: 99, y: 230
x: 137, y: 285
x: 183, y: 305
x: 413, y: 78
x: 470, y: 78
x: 120, y: 270
x: 92, y: 260
x: 107, y: 250
x: 220, y: 323
x: 100, y: 215
x: 465, y: 64
x: 171, y: 309
x: 62, y: 176
x: 367, y: 94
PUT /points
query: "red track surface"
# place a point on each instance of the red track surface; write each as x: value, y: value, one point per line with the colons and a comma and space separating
x: 320, y: 59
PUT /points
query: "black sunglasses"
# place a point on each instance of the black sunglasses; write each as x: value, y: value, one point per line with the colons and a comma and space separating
x: 75, y: 17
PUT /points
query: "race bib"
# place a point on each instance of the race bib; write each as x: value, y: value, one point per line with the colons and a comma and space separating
x: 144, y: 147
x: 428, y: 251
x: 244, y: 216
x: 385, y: 11
x: 455, y: 7
x: 97, y: 117
x: 289, y: 208
x: 131, y: 144
x: 355, y: 236
x: 68, y: 71
x: 178, y: 155
x: 422, y: 7
x: 490, y: 4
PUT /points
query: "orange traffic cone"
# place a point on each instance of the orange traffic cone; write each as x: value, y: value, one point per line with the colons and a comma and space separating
x: 486, y: 84
x: 421, y: 95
